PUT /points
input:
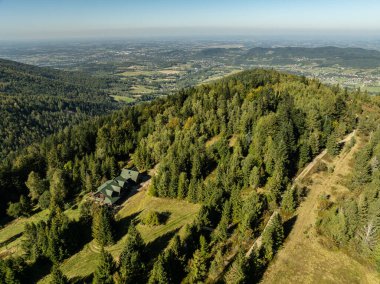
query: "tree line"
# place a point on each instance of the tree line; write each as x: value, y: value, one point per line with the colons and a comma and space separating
x: 232, y: 146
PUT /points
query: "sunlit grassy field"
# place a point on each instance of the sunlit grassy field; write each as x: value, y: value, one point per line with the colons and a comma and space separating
x: 11, y: 234
x: 123, y: 99
x: 179, y: 213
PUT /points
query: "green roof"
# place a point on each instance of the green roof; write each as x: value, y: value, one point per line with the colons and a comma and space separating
x: 110, y: 190
x: 130, y: 174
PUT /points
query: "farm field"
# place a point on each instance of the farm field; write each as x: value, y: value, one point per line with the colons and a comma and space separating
x: 123, y: 99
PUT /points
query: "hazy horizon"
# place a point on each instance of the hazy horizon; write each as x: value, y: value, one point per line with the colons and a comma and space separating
x: 43, y: 19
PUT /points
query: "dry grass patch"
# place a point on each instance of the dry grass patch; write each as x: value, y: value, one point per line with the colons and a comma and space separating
x: 212, y: 141
x: 303, y: 259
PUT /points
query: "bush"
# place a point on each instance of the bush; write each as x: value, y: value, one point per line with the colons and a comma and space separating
x: 14, y: 210
x: 321, y: 167
x: 44, y: 200
x: 21, y: 208
x: 324, y: 202
x: 152, y: 218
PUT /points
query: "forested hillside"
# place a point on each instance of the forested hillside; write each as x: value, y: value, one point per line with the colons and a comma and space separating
x: 352, y: 223
x: 232, y: 146
x: 36, y: 102
x: 326, y: 55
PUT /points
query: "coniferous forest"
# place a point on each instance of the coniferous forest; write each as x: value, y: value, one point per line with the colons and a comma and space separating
x: 233, y: 147
x: 36, y: 102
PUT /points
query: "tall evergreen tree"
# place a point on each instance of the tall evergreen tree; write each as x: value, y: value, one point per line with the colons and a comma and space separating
x: 198, y: 264
x: 35, y: 185
x: 237, y: 274
x: 273, y: 236
x: 105, y: 269
x: 332, y: 144
x: 102, y: 226
x: 158, y: 275
x: 57, y: 277
x: 131, y: 265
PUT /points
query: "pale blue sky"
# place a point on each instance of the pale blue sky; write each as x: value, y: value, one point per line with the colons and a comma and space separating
x: 46, y: 18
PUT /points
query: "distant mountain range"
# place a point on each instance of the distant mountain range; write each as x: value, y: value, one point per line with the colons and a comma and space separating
x: 325, y: 56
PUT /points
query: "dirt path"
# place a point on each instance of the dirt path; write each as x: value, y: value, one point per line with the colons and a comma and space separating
x: 311, y: 165
x: 303, y: 259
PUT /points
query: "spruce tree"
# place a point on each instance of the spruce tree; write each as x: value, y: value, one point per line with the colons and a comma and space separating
x: 217, y: 265
x: 332, y: 144
x: 198, y: 264
x: 35, y: 185
x: 57, y: 277
x: 304, y: 154
x: 237, y: 274
x: 158, y: 275
x: 58, y: 189
x: 102, y: 226
x: 182, y: 185
x: 273, y: 236
x: 58, y: 225
x: 289, y: 200
x: 131, y: 258
x: 11, y: 277
x: 105, y: 269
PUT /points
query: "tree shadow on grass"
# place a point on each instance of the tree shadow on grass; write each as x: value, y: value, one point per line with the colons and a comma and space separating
x: 80, y: 235
x: 82, y: 280
x: 288, y: 226
x: 36, y: 271
x: 154, y: 248
x: 10, y: 240
x: 258, y: 272
x: 122, y: 225
x: 164, y: 217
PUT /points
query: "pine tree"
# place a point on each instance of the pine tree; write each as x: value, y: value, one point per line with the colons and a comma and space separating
x: 10, y: 277
x: 289, y: 202
x: 238, y: 272
x: 58, y: 189
x: 198, y: 264
x: 304, y: 154
x: 217, y: 265
x: 332, y: 144
x: 273, y: 236
x: 102, y: 226
x: 131, y: 258
x: 57, y: 277
x: 183, y: 184
x: 35, y: 185
x: 57, y: 235
x: 105, y: 269
x: 158, y: 275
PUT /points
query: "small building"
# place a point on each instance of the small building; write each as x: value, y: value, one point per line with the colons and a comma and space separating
x: 132, y: 175
x: 112, y: 190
